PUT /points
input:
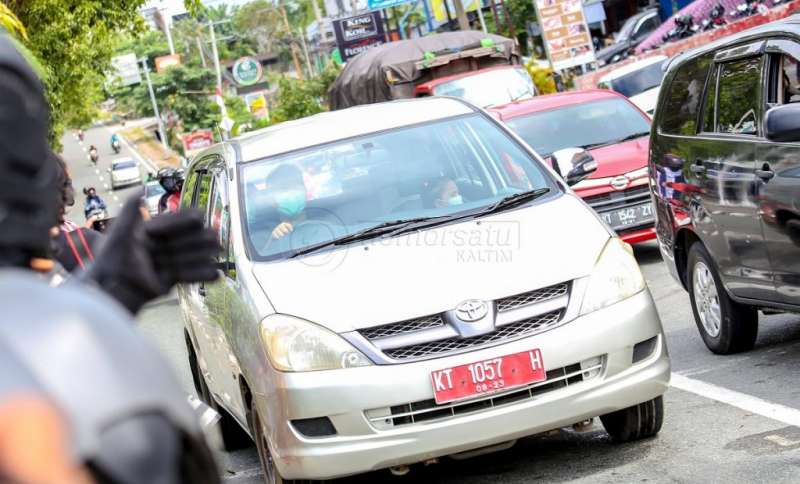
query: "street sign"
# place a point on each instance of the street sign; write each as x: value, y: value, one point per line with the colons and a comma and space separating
x: 126, y: 69
x: 355, y: 35
x: 565, y: 33
x: 247, y: 71
x: 166, y: 61
x: 381, y: 4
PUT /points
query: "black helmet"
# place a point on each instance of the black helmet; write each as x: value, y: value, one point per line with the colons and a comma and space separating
x: 168, y: 178
x: 130, y: 422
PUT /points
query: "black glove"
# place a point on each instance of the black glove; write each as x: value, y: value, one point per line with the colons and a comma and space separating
x: 141, y: 260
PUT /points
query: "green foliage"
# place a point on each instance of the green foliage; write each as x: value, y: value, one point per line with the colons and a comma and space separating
x: 239, y: 113
x: 296, y: 99
x: 522, y: 13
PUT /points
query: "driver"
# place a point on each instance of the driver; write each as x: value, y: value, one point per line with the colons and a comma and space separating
x: 289, y: 193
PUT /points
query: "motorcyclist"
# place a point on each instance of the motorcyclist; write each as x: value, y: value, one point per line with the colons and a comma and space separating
x: 95, y: 402
x: 115, y: 142
x: 93, y: 202
x: 172, y: 182
x: 93, y: 153
x: 80, y: 134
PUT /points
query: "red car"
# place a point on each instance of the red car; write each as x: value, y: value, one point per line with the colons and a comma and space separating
x: 486, y: 87
x: 614, y: 131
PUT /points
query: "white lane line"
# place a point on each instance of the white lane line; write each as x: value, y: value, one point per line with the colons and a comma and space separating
x: 105, y: 185
x: 96, y: 171
x: 101, y: 177
x: 116, y: 198
x: 749, y: 403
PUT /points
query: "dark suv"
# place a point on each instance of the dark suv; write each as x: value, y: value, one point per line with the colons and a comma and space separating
x: 725, y: 179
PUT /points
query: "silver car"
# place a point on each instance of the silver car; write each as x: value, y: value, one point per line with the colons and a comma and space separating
x: 409, y: 280
x: 124, y: 172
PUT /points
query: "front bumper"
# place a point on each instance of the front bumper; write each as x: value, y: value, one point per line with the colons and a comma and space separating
x: 636, y: 236
x: 123, y: 183
x: 359, y: 446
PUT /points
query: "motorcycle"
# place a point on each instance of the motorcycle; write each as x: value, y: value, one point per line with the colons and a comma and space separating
x: 116, y: 146
x: 80, y: 135
x: 716, y: 18
x: 93, y: 156
x: 684, y: 27
x: 99, y: 218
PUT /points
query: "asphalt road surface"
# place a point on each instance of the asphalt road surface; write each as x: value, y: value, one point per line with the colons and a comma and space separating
x: 727, y: 418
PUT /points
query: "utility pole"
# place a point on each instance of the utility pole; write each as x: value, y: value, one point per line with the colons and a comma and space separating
x: 480, y: 17
x: 292, y: 47
x: 200, y: 50
x: 461, y: 15
x: 226, y: 122
x: 161, y: 134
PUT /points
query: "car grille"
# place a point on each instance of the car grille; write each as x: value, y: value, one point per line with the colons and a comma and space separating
x: 435, y: 335
x: 519, y: 329
x: 427, y: 410
x: 404, y: 327
x: 520, y: 300
x: 615, y: 200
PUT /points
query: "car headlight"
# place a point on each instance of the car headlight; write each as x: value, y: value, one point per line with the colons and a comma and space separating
x: 616, y: 276
x: 293, y: 344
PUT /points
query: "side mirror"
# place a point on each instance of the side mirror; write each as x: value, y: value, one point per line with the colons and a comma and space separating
x: 782, y: 123
x: 573, y: 164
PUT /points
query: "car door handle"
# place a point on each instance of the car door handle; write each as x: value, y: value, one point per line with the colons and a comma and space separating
x: 765, y: 173
x: 698, y: 168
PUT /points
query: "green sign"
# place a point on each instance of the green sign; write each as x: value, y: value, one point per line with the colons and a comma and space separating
x: 247, y: 71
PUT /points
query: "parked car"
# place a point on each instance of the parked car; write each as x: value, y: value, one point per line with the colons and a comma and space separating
x: 616, y: 135
x: 488, y: 87
x: 124, y: 172
x: 152, y: 194
x: 356, y: 328
x: 725, y: 160
x: 636, y: 29
x: 639, y: 81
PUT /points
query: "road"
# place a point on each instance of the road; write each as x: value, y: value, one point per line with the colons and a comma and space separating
x: 85, y: 174
x: 728, y: 418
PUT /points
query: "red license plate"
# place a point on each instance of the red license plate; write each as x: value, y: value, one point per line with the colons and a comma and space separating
x: 488, y: 376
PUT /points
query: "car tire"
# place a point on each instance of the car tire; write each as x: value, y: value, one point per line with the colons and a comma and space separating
x: 233, y: 435
x: 637, y: 422
x: 270, y: 471
x: 726, y: 326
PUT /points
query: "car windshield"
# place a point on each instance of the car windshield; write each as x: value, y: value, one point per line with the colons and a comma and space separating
x: 627, y: 29
x: 581, y: 126
x: 153, y: 189
x: 639, y: 81
x: 443, y: 170
x: 491, y: 88
x: 121, y: 165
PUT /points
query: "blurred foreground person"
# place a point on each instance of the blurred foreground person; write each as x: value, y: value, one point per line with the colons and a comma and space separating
x: 83, y: 397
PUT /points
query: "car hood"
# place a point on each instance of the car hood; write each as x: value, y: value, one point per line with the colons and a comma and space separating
x: 125, y: 173
x: 618, y: 159
x: 647, y: 100
x: 434, y: 270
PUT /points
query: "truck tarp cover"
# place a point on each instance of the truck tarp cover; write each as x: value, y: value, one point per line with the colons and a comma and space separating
x: 364, y: 78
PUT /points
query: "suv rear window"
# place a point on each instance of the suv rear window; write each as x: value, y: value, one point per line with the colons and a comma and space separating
x: 684, y: 94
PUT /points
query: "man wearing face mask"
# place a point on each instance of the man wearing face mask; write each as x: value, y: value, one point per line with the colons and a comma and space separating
x: 442, y: 192
x: 288, y: 190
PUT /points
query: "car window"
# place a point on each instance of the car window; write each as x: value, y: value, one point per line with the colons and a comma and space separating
x: 738, y: 96
x: 438, y: 169
x: 790, y: 80
x: 153, y: 189
x: 491, y: 88
x: 203, y: 191
x: 639, y: 80
x: 121, y: 165
x: 583, y: 125
x: 709, y: 111
x: 683, y: 97
x: 188, y: 189
x: 646, y: 27
x: 218, y: 215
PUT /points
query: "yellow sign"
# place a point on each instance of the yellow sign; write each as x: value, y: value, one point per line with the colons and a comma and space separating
x: 440, y: 13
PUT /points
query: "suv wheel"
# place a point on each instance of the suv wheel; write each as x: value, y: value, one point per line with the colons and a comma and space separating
x: 725, y: 325
x: 271, y: 475
x: 634, y: 423
x: 233, y: 436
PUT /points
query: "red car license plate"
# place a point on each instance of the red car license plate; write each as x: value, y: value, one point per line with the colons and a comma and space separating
x: 488, y: 376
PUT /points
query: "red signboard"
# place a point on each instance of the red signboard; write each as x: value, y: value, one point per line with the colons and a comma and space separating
x: 166, y: 61
x: 197, y: 140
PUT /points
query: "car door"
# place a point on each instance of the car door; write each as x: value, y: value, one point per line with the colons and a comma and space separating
x: 723, y: 164
x: 778, y: 165
x: 222, y: 296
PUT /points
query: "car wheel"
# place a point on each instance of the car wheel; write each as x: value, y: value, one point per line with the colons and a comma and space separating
x: 636, y: 422
x: 271, y: 475
x: 725, y: 325
x: 233, y: 436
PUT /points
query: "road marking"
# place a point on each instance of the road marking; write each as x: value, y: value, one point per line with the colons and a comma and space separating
x: 116, y: 198
x: 105, y: 185
x: 101, y: 177
x: 96, y: 171
x: 781, y: 440
x: 749, y: 403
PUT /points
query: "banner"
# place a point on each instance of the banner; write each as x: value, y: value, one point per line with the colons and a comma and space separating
x: 166, y: 61
x: 355, y: 35
x: 126, y: 69
x: 565, y: 33
x: 197, y: 140
x: 257, y: 104
x: 381, y: 4
x: 440, y: 13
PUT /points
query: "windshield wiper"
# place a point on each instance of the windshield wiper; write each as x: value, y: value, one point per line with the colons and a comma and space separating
x: 633, y: 136
x: 513, y: 201
x: 366, y: 234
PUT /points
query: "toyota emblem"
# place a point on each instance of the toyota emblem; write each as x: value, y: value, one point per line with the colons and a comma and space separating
x: 620, y: 183
x: 472, y: 310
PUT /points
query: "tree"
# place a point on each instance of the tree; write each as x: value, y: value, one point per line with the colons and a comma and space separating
x: 73, y: 41
x: 296, y: 99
